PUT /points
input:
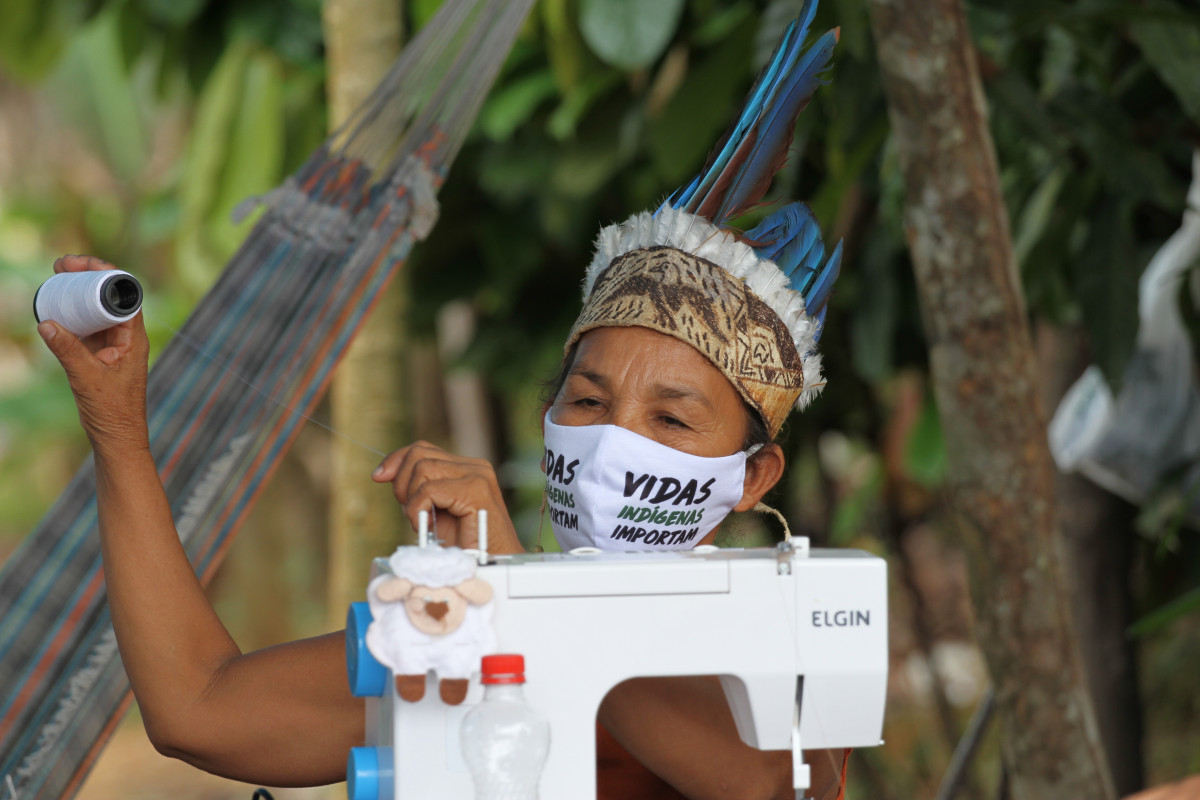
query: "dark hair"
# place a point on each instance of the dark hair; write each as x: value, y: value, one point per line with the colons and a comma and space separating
x: 756, y: 427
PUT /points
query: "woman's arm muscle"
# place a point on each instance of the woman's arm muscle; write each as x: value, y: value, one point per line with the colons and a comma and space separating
x: 201, y: 699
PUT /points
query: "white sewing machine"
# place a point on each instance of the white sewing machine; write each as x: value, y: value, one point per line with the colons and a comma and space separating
x: 798, y: 638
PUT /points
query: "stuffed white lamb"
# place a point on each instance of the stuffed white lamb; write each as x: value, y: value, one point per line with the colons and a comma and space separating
x: 431, y: 613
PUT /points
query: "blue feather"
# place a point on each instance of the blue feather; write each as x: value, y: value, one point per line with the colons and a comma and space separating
x: 819, y: 318
x: 750, y: 111
x: 740, y: 170
x: 791, y: 238
x: 817, y: 298
x: 768, y: 141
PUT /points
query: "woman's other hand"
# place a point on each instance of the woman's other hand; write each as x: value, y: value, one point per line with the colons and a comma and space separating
x: 427, y: 478
x: 107, y: 372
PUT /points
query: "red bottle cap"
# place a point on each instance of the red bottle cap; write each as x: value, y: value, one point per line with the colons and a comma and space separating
x: 507, y: 668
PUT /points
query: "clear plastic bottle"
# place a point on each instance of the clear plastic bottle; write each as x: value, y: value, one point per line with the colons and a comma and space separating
x: 504, y: 741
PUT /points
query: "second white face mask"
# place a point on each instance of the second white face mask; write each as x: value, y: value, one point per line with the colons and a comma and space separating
x: 610, y: 488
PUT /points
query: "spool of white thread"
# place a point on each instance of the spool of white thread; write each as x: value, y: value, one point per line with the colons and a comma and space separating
x: 86, y: 302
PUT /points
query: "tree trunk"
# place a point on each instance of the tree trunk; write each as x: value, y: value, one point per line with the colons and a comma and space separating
x: 984, y: 372
x: 362, y: 38
x: 1098, y: 539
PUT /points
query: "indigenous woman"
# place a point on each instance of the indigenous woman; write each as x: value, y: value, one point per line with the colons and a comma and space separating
x: 691, y: 349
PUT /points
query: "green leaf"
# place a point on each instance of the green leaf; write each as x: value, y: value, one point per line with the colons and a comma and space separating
x: 854, y: 508
x: 1036, y: 214
x: 875, y: 315
x: 512, y: 105
x: 627, y: 33
x: 925, y: 450
x: 514, y: 174
x: 207, y: 152
x: 175, y: 13
x: 564, y: 48
x: 33, y: 36
x: 235, y: 151
x: 716, y: 26
x: 41, y: 408
x: 584, y: 168
x: 1106, y: 278
x: 1173, y: 50
x: 1105, y: 132
x: 115, y: 105
x: 565, y: 119
x: 1162, y: 617
x: 682, y: 133
x: 256, y: 147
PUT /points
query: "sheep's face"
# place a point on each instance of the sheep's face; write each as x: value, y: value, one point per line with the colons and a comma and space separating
x: 435, y: 611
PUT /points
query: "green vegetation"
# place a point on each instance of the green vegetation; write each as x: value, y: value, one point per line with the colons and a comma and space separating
x: 132, y: 128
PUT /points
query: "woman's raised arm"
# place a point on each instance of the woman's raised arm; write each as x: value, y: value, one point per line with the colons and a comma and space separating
x: 282, y: 716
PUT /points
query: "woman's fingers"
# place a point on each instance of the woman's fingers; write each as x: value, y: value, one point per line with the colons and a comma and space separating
x: 80, y: 264
x: 425, y: 477
x: 393, y: 463
x: 76, y: 359
x: 436, y: 467
x: 421, y: 461
x: 457, y: 498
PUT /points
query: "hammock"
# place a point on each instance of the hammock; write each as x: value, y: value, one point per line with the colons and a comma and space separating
x: 272, y: 329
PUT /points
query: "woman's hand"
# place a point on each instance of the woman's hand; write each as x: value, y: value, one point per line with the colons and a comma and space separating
x: 427, y: 478
x: 107, y: 373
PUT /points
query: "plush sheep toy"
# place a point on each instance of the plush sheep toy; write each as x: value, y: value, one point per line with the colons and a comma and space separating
x: 431, y: 613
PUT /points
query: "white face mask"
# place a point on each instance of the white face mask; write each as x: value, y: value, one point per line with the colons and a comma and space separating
x: 610, y: 488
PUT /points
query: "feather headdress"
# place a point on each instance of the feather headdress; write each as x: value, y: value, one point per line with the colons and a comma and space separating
x: 687, y: 246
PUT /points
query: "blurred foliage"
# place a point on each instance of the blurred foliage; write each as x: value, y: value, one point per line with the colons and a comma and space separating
x: 165, y: 114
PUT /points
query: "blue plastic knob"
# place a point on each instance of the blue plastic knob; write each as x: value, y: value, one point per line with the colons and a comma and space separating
x: 368, y: 678
x: 369, y: 773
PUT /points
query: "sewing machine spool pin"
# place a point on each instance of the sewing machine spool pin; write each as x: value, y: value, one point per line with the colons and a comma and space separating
x: 481, y: 517
x: 423, y: 528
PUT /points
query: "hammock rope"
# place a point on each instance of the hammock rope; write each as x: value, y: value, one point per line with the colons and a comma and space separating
x: 273, y: 327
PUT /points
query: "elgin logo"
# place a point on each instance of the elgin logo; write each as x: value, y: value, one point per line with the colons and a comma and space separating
x: 840, y: 619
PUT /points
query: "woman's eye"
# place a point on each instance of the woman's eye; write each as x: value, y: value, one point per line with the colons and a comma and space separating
x: 671, y: 421
x: 588, y: 402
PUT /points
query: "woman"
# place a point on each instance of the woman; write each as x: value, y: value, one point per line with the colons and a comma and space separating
x: 284, y: 716
x: 691, y: 350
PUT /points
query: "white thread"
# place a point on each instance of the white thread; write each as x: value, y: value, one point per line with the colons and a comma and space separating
x: 199, y: 349
x: 87, y: 302
x: 12, y: 789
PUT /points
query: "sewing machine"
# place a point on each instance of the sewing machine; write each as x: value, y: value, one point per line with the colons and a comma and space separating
x: 797, y: 636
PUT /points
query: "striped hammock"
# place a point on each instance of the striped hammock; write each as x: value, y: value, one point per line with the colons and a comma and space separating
x: 272, y: 328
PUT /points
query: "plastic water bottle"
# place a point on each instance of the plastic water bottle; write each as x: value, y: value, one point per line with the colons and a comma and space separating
x: 504, y: 741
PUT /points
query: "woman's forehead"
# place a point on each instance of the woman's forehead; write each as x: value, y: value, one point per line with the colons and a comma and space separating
x: 648, y: 358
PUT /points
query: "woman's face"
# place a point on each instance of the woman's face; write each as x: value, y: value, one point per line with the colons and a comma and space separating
x: 654, y: 385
